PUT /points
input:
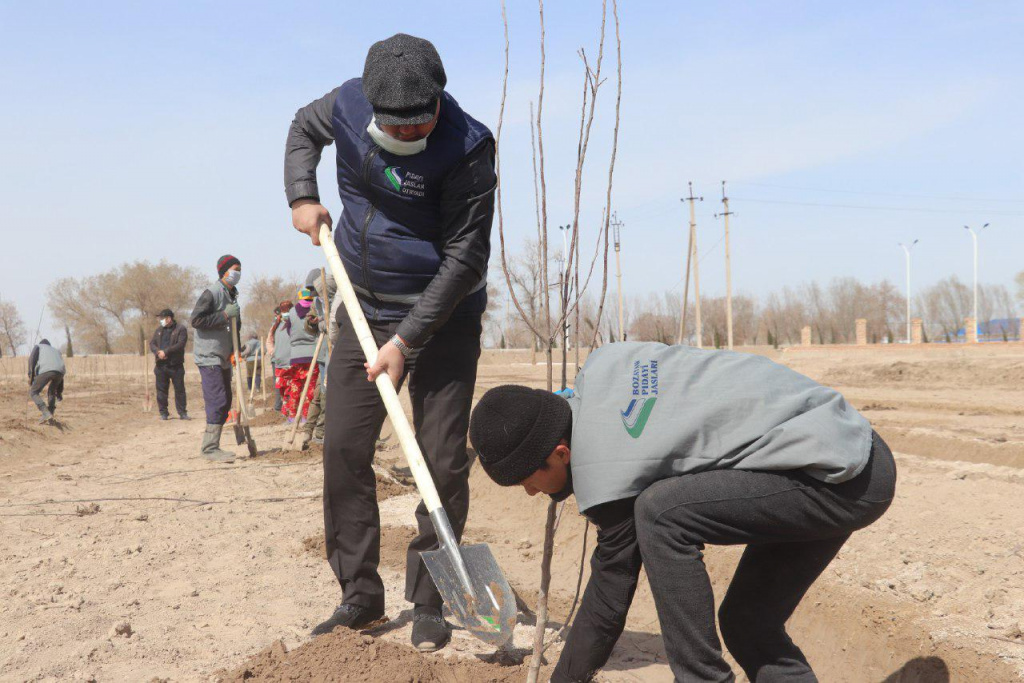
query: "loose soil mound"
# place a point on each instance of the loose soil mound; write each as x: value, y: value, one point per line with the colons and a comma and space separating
x: 271, y: 418
x: 347, y: 656
x: 394, y: 542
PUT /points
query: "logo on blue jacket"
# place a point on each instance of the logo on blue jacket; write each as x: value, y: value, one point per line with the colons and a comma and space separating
x: 405, y: 182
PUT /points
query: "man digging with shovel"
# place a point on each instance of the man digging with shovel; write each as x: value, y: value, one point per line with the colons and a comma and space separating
x: 669, y: 448
x: 416, y: 178
x: 212, y: 346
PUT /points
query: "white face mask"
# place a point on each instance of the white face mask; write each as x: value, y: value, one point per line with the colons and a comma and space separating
x: 163, y: 322
x: 394, y: 145
x: 232, y: 277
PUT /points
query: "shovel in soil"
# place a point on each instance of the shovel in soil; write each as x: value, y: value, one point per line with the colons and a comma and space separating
x: 468, y: 577
x: 242, y: 433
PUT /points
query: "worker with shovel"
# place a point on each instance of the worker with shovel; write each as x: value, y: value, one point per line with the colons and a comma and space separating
x: 669, y: 448
x: 46, y: 371
x: 317, y: 323
x: 416, y: 179
x: 213, y: 348
x: 279, y: 348
x: 251, y: 353
x: 302, y: 346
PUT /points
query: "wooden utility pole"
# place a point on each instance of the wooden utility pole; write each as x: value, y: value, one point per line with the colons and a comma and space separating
x: 692, y: 257
x: 728, y: 270
x: 616, y: 232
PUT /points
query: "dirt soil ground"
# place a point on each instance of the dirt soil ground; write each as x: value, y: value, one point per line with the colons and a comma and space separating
x: 126, y: 557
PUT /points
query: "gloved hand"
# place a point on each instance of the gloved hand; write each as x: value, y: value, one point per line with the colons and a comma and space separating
x: 232, y: 310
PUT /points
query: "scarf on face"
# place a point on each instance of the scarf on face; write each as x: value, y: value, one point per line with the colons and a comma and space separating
x: 394, y: 145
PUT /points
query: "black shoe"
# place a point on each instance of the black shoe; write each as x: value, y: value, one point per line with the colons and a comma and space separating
x: 165, y: 416
x: 429, y: 629
x: 350, y: 616
x: 183, y: 416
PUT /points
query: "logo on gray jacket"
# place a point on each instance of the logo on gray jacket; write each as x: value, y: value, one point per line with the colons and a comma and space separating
x: 645, y: 395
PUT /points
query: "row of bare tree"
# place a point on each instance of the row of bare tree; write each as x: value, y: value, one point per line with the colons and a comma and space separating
x: 115, y: 311
x: 774, y: 319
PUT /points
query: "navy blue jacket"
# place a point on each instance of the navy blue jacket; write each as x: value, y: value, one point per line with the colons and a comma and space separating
x: 414, y: 232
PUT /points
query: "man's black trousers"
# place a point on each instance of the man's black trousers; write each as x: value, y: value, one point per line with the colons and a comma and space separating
x: 793, y: 526
x: 165, y: 374
x: 441, y: 376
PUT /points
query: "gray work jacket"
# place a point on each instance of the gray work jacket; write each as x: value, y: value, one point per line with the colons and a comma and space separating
x: 643, y: 412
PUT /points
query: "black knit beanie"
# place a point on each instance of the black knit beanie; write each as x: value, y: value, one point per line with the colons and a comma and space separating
x: 515, y: 428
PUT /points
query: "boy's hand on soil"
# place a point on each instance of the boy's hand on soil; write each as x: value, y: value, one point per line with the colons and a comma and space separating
x: 308, y: 215
x: 389, y: 360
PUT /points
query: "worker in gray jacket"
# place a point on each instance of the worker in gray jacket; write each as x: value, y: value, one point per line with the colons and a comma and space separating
x: 279, y: 348
x: 251, y: 353
x: 669, y: 448
x: 46, y: 371
x: 302, y: 344
x: 213, y: 349
x: 318, y: 323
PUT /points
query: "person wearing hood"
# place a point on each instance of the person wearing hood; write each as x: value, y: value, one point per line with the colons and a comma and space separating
x: 46, y: 371
x: 317, y: 323
x: 251, y: 353
x: 168, y: 348
x: 213, y: 349
x: 302, y: 343
x: 279, y: 348
x: 671, y: 448
x: 416, y: 179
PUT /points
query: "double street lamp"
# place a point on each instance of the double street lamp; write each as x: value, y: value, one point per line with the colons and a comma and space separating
x: 906, y: 250
x: 974, y: 238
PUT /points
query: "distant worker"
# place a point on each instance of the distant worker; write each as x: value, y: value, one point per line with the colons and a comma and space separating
x: 279, y: 348
x: 317, y: 323
x: 211, y: 320
x: 302, y: 343
x: 251, y: 353
x: 168, y: 347
x: 670, y: 448
x: 46, y: 371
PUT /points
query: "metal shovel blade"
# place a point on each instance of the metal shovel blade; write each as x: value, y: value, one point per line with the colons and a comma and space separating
x: 250, y: 442
x: 491, y: 616
x: 239, y: 433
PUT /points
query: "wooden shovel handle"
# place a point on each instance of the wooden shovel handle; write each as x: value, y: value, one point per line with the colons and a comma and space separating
x: 406, y: 436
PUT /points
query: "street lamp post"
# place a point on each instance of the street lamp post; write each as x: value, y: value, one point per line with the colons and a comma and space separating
x: 974, y: 239
x: 906, y: 250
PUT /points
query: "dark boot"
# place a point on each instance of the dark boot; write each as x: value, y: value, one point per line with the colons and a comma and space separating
x: 211, y: 445
x: 350, y: 616
x: 429, y: 629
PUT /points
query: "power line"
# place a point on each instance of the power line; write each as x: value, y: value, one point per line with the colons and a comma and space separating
x: 954, y: 198
x: 987, y: 212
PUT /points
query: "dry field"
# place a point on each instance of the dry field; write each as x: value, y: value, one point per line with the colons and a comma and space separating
x: 127, y: 557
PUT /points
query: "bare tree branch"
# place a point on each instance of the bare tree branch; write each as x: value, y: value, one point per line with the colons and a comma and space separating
x: 497, y: 170
x: 611, y: 169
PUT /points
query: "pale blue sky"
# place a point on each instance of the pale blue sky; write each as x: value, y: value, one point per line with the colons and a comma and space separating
x: 138, y: 130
